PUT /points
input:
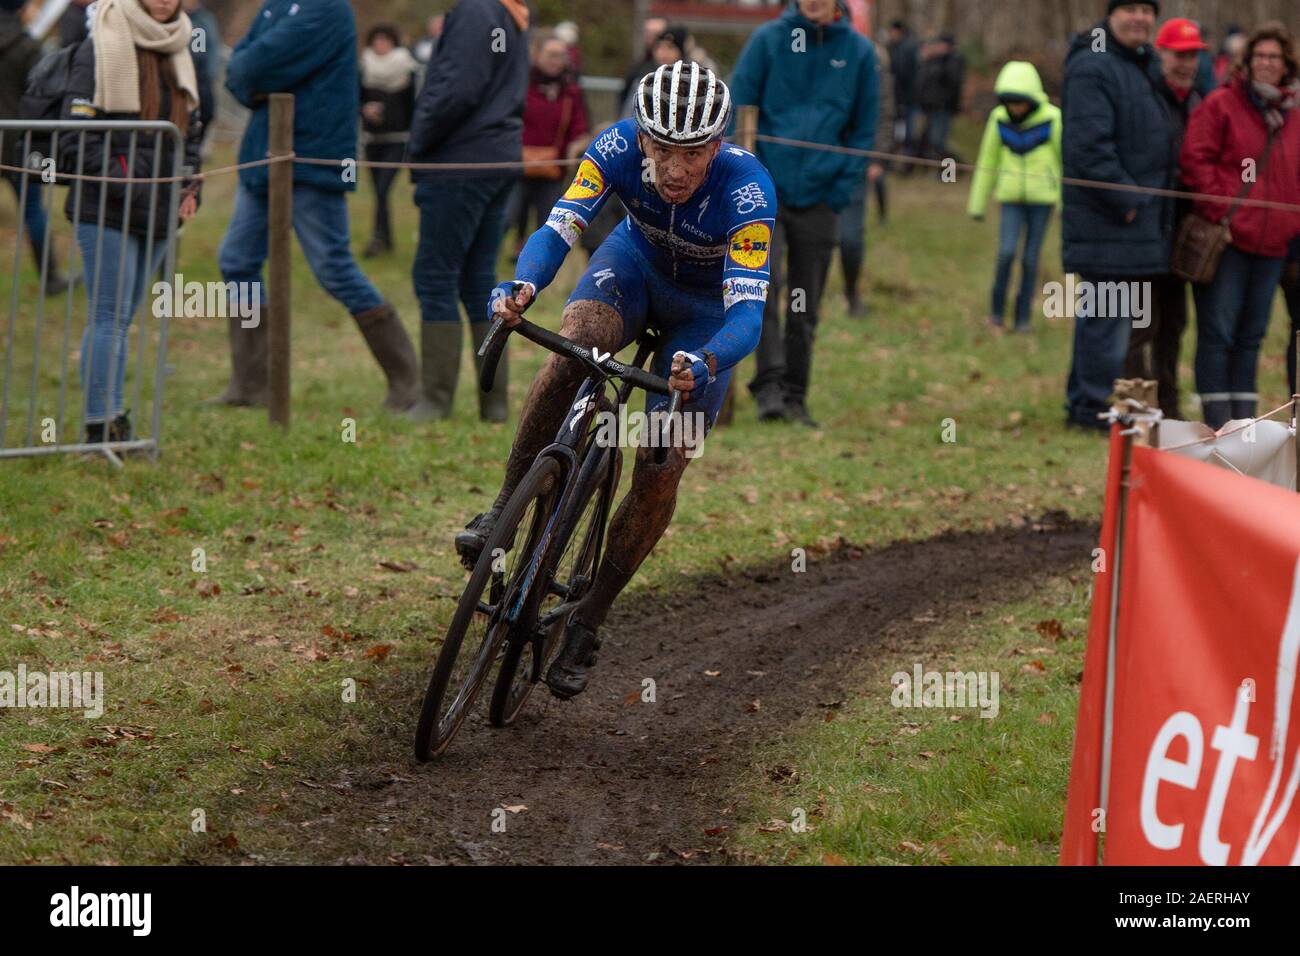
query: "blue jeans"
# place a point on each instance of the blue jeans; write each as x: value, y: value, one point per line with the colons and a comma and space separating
x: 1232, y: 315
x: 33, y: 213
x: 1100, y: 347
x: 121, y: 266
x: 462, y: 220
x: 1031, y: 219
x: 320, y: 220
x: 938, y: 124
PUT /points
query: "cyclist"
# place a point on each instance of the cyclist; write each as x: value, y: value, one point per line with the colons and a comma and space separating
x: 690, y: 260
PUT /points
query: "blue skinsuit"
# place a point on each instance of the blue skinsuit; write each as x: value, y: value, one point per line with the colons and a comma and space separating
x: 697, y: 271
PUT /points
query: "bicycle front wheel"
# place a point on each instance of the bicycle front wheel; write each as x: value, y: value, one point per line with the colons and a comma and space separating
x: 480, y: 625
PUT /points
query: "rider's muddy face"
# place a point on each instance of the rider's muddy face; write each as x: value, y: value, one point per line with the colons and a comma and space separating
x: 677, y: 171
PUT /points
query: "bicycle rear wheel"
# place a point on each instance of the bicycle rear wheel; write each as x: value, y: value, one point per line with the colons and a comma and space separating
x: 572, y: 571
x: 478, y: 629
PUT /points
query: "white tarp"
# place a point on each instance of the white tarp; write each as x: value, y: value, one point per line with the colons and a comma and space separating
x: 1265, y: 451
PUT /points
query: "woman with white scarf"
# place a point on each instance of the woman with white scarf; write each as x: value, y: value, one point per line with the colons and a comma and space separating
x: 135, y: 65
x: 387, y: 101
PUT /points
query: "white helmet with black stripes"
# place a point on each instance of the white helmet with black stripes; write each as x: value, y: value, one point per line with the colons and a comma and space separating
x: 682, y: 104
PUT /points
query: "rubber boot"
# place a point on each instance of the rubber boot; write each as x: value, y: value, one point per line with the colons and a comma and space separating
x: 384, y: 333
x: 440, y: 344
x: 493, y: 406
x: 248, y: 363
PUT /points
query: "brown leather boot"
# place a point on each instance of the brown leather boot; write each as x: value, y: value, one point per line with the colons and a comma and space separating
x: 391, y: 346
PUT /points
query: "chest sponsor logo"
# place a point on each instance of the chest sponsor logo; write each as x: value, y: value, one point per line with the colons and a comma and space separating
x: 743, y: 290
x: 748, y: 198
x: 678, y: 245
x: 839, y: 64
x: 750, y: 244
x: 567, y: 223
x: 588, y: 182
x: 611, y: 143
x: 695, y: 231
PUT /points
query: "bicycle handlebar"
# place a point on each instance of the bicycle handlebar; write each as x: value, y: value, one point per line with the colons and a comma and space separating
x: 494, y: 345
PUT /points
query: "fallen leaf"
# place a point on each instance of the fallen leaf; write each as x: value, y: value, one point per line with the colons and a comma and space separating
x: 515, y: 808
x: 399, y: 566
x: 1050, y: 629
x: 833, y: 859
x: 42, y: 749
x: 379, y: 652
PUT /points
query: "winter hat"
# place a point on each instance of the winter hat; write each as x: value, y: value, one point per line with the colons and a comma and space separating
x: 12, y: 4
x: 1125, y: 3
x: 1180, y: 36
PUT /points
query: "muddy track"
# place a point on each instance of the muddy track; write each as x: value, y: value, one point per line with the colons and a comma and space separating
x: 607, y: 778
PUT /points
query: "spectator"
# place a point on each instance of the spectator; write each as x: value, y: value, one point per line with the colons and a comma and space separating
x: 387, y: 101
x: 1153, y: 350
x: 555, y: 127
x: 938, y: 93
x: 74, y: 24
x: 207, y: 59
x: 137, y: 66
x: 1249, y: 124
x: 469, y: 110
x: 1234, y: 42
x: 322, y: 76
x: 1117, y: 129
x: 904, y: 65
x: 18, y: 54
x: 827, y: 92
x: 853, y: 220
x: 567, y: 32
x: 202, y: 19
x: 1291, y: 291
x: 424, y: 50
x: 1020, y: 156
x: 651, y: 29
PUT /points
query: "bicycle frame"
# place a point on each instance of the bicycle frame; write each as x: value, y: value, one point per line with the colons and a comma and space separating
x: 573, y: 434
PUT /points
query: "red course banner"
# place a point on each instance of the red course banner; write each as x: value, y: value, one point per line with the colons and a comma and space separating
x: 1205, y: 750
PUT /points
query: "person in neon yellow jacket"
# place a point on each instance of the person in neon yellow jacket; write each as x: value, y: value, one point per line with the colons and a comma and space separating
x: 1020, y: 161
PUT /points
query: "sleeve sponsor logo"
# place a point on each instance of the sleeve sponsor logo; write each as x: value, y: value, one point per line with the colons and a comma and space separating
x: 588, y: 182
x: 749, y: 245
x: 748, y: 198
x: 743, y: 290
x: 611, y: 143
x: 567, y: 223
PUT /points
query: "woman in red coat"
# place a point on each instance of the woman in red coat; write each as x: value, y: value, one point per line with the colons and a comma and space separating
x: 1245, y: 133
x: 555, y: 127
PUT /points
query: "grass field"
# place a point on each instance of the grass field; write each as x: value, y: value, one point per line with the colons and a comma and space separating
x: 214, y: 678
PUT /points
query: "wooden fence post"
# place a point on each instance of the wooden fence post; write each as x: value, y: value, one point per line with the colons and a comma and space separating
x: 279, y: 250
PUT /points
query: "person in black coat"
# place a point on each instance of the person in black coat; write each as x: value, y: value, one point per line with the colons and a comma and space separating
x: 387, y: 103
x: 18, y: 54
x: 122, y: 248
x: 1117, y: 129
x: 469, y: 110
x: 938, y: 93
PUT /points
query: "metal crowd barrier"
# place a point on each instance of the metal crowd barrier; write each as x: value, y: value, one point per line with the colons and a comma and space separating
x: 39, y: 387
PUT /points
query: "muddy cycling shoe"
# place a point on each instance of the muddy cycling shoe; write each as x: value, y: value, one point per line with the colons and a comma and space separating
x: 471, y: 542
x: 568, y: 674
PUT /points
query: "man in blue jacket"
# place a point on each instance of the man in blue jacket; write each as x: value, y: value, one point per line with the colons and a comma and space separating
x: 469, y: 110
x: 307, y: 48
x: 814, y: 78
x: 1117, y: 129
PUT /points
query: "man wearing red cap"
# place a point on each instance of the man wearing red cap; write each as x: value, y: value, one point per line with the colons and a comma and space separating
x: 1153, y: 351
